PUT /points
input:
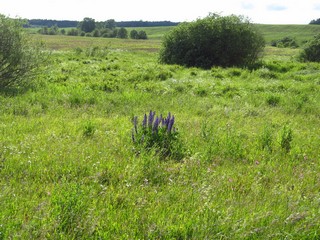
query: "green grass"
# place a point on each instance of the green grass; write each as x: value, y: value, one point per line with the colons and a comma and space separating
x: 301, y: 33
x: 69, y: 169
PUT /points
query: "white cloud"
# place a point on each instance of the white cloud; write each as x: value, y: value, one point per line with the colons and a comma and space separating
x: 275, y: 7
x: 247, y: 5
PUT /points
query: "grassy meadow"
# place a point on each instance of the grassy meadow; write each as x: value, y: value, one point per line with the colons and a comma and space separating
x: 251, y: 140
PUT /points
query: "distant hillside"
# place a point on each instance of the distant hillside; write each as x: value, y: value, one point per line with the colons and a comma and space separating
x: 301, y: 33
x: 73, y: 24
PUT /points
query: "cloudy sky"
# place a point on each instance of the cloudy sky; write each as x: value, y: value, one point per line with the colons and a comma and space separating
x: 259, y: 11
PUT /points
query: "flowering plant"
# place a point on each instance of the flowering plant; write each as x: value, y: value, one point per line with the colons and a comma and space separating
x: 157, y: 132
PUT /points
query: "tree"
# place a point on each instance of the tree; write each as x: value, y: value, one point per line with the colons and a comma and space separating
x: 87, y: 25
x: 122, y: 33
x: 311, y: 52
x: 96, y: 33
x: 213, y: 41
x: 19, y: 55
x: 142, y: 35
x: 134, y: 34
x: 110, y: 24
x: 315, y: 21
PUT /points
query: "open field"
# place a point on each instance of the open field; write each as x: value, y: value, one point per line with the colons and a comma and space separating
x: 301, y: 33
x: 251, y: 140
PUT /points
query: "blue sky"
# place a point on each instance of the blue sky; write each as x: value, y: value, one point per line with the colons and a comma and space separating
x: 259, y: 11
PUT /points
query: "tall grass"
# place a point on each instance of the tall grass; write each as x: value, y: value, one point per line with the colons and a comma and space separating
x: 250, y: 169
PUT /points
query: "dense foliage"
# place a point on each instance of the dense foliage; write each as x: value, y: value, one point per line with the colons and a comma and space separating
x: 87, y: 25
x: 286, y: 42
x: 317, y: 21
x: 19, y: 56
x: 311, y: 52
x: 73, y: 24
x: 50, y: 23
x: 213, y: 41
x: 89, y: 28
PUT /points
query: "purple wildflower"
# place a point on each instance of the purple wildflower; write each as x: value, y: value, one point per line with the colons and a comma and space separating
x: 151, y: 118
x: 144, y: 123
x: 132, y: 136
x: 135, y: 122
x: 156, y: 125
x: 167, y: 120
x: 170, y: 125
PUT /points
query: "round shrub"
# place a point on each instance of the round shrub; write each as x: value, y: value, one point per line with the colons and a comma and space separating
x: 286, y: 42
x: 19, y: 56
x: 213, y: 41
x: 311, y: 52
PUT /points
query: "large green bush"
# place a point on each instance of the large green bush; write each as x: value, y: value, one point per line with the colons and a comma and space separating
x: 213, y: 41
x: 19, y: 56
x: 311, y: 52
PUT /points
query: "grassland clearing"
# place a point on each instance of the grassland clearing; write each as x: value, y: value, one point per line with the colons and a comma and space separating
x: 251, y: 169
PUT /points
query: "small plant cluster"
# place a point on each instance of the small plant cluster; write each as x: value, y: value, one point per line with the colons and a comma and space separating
x: 286, y: 42
x: 157, y: 133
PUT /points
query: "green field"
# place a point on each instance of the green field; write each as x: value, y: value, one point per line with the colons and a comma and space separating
x: 250, y: 167
x: 301, y: 33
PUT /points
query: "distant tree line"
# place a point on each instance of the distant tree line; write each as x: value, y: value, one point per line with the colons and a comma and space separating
x: 315, y: 21
x: 90, y: 28
x: 50, y: 23
x: 74, y: 24
x: 146, y: 24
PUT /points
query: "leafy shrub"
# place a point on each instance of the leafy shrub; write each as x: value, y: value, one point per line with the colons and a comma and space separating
x: 286, y: 42
x: 134, y: 34
x: 73, y: 32
x: 213, y: 41
x: 19, y: 55
x: 157, y: 133
x: 311, y: 52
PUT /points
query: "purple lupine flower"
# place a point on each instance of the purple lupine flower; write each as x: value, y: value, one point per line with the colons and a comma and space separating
x: 171, y: 124
x: 144, y: 122
x: 167, y: 120
x: 156, y: 125
x: 135, y: 122
x: 151, y: 118
x: 132, y: 136
x: 163, y: 122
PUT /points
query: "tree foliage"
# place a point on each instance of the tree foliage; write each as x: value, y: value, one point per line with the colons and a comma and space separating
x: 122, y: 33
x: 311, y: 51
x: 87, y: 25
x: 317, y: 21
x: 213, y: 41
x: 286, y: 42
x: 134, y: 34
x: 19, y: 55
